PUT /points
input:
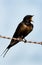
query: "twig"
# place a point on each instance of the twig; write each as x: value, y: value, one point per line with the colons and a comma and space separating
x: 19, y: 39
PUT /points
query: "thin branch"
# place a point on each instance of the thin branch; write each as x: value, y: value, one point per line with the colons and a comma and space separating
x: 19, y: 39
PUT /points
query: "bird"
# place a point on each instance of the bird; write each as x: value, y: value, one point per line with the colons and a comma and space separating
x: 22, y: 30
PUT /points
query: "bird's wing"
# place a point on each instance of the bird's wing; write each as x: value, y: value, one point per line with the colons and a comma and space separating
x: 16, y: 35
x: 22, y: 30
x: 18, y: 31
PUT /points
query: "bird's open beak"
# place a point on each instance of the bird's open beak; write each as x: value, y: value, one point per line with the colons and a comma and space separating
x: 31, y: 18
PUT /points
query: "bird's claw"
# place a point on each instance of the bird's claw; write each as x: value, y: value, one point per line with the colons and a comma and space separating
x: 24, y: 40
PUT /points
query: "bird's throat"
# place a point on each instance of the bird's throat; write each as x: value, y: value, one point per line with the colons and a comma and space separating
x: 27, y: 23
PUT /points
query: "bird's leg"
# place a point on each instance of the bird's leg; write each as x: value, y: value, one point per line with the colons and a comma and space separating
x: 25, y: 41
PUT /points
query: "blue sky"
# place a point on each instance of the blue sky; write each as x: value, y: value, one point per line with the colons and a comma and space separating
x: 11, y: 14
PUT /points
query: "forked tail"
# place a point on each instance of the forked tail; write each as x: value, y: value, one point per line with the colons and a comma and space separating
x: 5, y: 51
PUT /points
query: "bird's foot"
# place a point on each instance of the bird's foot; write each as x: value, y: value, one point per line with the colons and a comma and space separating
x: 25, y: 41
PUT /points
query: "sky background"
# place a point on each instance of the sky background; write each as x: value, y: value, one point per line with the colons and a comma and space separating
x: 12, y: 13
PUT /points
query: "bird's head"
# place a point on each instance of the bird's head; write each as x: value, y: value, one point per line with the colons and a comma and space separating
x: 28, y: 18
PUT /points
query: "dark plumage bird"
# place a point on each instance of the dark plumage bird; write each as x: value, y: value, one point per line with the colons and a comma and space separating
x: 23, y: 29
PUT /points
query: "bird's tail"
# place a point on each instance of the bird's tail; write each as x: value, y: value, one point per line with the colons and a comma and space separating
x: 5, y: 51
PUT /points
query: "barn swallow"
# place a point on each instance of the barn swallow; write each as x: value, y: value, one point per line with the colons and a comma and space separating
x: 23, y: 29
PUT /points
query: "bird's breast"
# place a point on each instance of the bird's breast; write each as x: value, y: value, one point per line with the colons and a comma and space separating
x: 27, y: 28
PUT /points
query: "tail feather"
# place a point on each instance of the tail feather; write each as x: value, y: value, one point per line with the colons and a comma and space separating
x: 5, y: 51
